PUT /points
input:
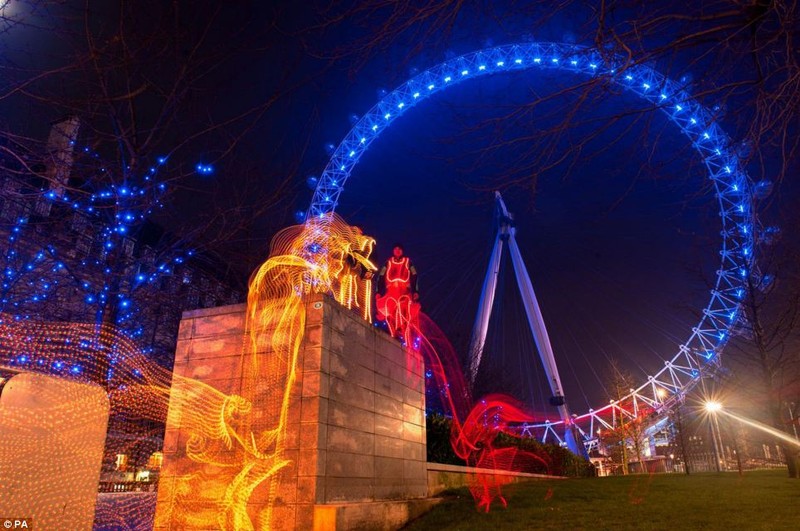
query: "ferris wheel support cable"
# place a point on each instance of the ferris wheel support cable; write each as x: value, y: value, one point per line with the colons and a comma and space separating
x: 507, y: 233
x: 542, y: 339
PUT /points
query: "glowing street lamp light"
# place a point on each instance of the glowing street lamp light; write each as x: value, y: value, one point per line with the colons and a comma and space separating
x: 713, y: 407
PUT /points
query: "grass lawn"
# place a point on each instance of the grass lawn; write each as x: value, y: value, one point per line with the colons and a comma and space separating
x: 757, y: 500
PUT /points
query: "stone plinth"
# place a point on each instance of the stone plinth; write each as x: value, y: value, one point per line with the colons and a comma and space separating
x: 355, y: 428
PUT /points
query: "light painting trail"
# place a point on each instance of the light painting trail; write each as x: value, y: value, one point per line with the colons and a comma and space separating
x: 241, y: 435
x: 475, y: 427
x: 276, y: 322
x: 245, y: 435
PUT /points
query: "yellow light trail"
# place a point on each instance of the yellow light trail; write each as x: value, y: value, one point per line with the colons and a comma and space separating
x: 240, y: 437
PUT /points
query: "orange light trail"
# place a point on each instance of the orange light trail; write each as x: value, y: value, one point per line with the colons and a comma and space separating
x: 241, y: 436
x: 239, y: 440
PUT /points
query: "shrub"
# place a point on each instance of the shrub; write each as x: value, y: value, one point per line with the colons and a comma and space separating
x: 438, y: 436
x: 552, y: 459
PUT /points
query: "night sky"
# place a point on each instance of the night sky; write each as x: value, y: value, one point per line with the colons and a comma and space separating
x: 617, y: 258
x: 621, y: 240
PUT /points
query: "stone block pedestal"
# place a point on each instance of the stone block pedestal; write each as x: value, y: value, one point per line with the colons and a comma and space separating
x: 355, y: 435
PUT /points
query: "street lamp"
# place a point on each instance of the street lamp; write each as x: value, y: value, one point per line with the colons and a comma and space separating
x: 712, y: 407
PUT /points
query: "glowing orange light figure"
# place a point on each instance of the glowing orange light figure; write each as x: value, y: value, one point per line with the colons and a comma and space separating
x: 327, y: 256
x: 355, y: 277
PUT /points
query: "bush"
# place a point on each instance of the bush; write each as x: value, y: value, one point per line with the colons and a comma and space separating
x: 438, y: 436
x: 557, y: 461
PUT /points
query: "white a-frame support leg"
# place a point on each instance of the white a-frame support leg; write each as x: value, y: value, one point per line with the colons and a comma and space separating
x: 485, y: 308
x: 506, y: 232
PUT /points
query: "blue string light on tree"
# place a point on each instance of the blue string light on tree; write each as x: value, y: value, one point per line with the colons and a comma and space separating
x: 107, y: 280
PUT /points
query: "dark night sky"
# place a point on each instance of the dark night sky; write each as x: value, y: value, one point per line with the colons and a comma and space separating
x: 620, y: 256
x: 615, y: 261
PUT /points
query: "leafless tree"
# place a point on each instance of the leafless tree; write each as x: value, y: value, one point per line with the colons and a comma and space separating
x: 739, y: 59
x: 136, y: 92
x: 765, y: 358
x: 630, y: 423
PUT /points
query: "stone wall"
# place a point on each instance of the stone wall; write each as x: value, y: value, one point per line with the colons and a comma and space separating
x: 209, y: 357
x: 443, y: 477
x: 355, y: 430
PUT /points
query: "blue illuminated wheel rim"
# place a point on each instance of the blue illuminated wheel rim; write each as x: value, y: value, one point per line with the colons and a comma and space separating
x: 699, y: 355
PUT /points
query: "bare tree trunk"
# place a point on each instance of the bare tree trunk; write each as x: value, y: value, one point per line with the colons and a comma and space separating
x: 681, y: 437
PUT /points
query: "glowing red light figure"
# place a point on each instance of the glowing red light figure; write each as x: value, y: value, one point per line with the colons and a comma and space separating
x: 399, y: 304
